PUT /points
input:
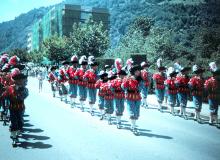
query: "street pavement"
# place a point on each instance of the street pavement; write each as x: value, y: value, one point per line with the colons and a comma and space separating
x: 53, y: 130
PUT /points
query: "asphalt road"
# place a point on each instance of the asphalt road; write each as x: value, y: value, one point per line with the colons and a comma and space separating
x: 55, y: 131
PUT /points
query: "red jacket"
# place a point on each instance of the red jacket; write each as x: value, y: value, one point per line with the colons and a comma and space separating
x: 71, y: 73
x: 80, y: 76
x: 52, y: 77
x: 171, y: 87
x: 182, y: 83
x: 131, y: 85
x: 118, y: 91
x: 146, y: 77
x: 159, y: 80
x: 213, y: 88
x: 91, y: 77
x: 196, y: 84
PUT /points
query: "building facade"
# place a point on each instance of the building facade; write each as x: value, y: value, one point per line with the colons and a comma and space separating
x: 60, y: 19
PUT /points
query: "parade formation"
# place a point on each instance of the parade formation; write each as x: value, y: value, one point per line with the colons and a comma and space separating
x: 112, y: 87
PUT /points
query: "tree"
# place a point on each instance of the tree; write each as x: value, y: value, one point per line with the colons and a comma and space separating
x: 55, y: 49
x: 36, y: 56
x: 21, y: 53
x: 88, y: 38
x: 141, y: 24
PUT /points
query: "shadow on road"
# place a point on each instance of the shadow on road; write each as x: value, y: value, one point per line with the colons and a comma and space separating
x: 30, y: 140
x: 34, y: 145
x: 28, y: 125
x: 141, y: 133
x: 34, y: 137
x: 30, y: 130
x: 145, y: 133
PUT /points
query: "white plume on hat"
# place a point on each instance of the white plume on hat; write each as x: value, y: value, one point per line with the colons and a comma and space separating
x: 213, y: 66
x: 177, y: 67
x: 129, y: 62
x: 91, y: 59
x: 118, y: 63
x: 159, y: 62
x: 74, y: 58
x: 82, y: 58
x: 142, y: 64
x: 170, y: 70
x: 195, y: 68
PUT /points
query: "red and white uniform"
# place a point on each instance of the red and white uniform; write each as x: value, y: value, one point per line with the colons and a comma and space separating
x: 159, y: 80
x: 71, y: 74
x: 212, y: 87
x: 132, y: 87
x: 182, y: 83
x: 118, y: 91
x: 91, y: 77
x: 171, y: 87
x: 80, y: 76
x: 52, y: 77
x: 145, y: 75
x: 196, y: 83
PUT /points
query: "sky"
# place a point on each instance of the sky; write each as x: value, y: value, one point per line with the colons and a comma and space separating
x: 9, y: 9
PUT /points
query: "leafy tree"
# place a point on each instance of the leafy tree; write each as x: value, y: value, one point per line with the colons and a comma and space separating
x: 36, y: 56
x: 21, y: 53
x: 55, y: 48
x: 141, y: 24
x: 88, y: 38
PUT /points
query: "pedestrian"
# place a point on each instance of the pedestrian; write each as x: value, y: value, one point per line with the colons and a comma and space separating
x: 40, y: 78
x: 73, y: 81
x: 212, y: 86
x: 132, y: 87
x: 82, y: 83
x: 158, y: 79
x: 146, y: 80
x: 196, y: 85
x: 182, y: 80
x: 171, y: 88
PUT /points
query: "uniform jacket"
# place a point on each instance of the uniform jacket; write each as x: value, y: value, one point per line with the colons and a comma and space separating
x: 159, y: 80
x: 196, y: 84
x: 132, y: 87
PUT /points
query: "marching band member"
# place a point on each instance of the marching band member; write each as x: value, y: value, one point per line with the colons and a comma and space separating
x: 159, y: 79
x: 52, y: 79
x: 196, y: 85
x: 91, y: 76
x: 81, y: 81
x: 101, y: 91
x: 146, y: 80
x: 109, y: 97
x: 212, y: 86
x: 62, y: 80
x: 72, y: 80
x: 132, y: 87
x: 171, y: 88
x: 17, y: 93
x: 182, y: 80
x: 119, y: 96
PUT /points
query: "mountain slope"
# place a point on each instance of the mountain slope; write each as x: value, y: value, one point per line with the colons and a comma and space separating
x: 14, y: 33
x: 181, y: 16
